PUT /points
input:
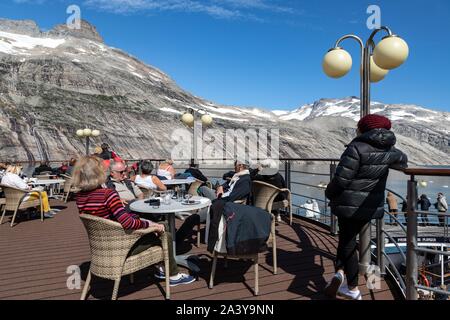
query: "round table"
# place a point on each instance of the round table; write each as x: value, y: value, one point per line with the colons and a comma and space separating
x: 47, y: 182
x: 141, y: 206
x: 177, y: 182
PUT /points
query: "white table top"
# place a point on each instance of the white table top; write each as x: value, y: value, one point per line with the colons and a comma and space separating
x: 42, y: 182
x: 174, y: 206
x: 174, y: 182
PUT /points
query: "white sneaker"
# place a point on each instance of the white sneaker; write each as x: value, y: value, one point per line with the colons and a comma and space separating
x: 279, y: 218
x: 345, y: 292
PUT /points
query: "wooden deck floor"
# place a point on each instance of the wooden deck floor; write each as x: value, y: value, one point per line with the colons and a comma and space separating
x: 34, y: 258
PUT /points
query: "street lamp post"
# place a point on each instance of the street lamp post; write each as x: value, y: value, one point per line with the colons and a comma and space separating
x: 376, y: 62
x: 188, y: 118
x: 87, y: 133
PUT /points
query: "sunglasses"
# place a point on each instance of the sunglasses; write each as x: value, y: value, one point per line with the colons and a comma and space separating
x: 121, y: 172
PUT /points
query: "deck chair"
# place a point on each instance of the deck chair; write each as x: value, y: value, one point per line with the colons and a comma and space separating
x: 15, y: 201
x: 253, y: 257
x: 278, y: 205
x: 110, y: 245
x: 263, y: 196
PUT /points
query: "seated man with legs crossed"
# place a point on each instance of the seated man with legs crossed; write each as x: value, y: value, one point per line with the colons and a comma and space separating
x: 238, y: 188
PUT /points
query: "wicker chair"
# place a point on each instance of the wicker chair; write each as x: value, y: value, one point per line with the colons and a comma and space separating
x: 68, y: 188
x: 110, y: 245
x: 263, y: 196
x: 14, y: 201
x: 284, y: 204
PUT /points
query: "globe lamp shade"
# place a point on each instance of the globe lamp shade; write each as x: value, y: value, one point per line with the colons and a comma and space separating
x: 391, y: 53
x: 376, y: 73
x: 337, y: 63
x: 188, y: 119
x: 80, y: 133
x: 95, y: 133
x: 207, y: 119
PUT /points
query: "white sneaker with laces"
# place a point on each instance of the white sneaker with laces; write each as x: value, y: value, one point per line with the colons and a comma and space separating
x: 345, y: 292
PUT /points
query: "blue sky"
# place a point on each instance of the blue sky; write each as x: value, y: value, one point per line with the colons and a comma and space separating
x: 265, y: 53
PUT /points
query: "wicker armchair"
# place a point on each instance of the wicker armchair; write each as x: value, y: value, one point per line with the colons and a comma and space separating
x: 14, y: 201
x: 263, y: 196
x: 110, y: 245
x: 265, y: 193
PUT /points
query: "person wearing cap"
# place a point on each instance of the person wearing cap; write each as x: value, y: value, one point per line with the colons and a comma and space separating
x: 356, y: 194
x: 268, y: 172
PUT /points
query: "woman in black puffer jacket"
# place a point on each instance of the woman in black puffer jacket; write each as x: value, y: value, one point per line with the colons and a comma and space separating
x: 356, y: 194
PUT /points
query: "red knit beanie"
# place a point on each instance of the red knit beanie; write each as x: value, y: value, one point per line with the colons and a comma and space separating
x: 374, y: 121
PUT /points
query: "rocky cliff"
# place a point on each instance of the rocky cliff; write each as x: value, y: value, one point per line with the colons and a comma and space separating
x: 53, y: 83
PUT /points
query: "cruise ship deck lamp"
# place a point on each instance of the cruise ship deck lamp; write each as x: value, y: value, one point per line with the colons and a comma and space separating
x: 376, y: 62
x: 188, y: 118
x: 87, y: 133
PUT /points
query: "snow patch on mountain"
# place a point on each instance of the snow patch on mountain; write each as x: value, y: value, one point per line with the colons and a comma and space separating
x: 12, y: 43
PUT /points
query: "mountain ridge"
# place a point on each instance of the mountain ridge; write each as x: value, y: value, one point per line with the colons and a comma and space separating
x: 53, y: 83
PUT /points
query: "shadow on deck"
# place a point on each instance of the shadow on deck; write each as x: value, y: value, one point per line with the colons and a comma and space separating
x: 35, y: 258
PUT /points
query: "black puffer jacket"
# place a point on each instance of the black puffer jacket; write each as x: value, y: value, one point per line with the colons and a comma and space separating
x: 357, y: 189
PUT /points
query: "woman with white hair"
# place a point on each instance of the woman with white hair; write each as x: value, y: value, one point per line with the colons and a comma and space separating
x: 12, y: 179
x: 166, y: 170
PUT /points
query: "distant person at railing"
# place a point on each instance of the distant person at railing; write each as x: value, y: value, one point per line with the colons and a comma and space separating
x: 12, y: 179
x: 166, y: 170
x: 108, y: 154
x: 98, y: 152
x: 356, y: 194
x: 43, y: 167
x: 424, y: 205
x: 146, y: 179
x: 89, y: 176
x: 63, y: 168
x: 442, y: 206
x: 391, y: 201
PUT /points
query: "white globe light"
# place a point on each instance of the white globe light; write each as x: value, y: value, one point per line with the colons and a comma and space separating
x: 87, y: 132
x: 423, y: 184
x: 188, y: 119
x: 337, y: 63
x: 95, y: 133
x: 207, y: 119
x: 391, y: 52
x: 80, y: 133
x: 376, y: 73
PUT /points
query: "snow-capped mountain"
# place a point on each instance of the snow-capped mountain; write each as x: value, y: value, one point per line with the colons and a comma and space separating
x: 53, y: 83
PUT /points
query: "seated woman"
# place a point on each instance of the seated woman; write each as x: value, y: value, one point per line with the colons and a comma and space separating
x: 166, y: 170
x: 12, y: 179
x: 147, y: 180
x: 89, y: 176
